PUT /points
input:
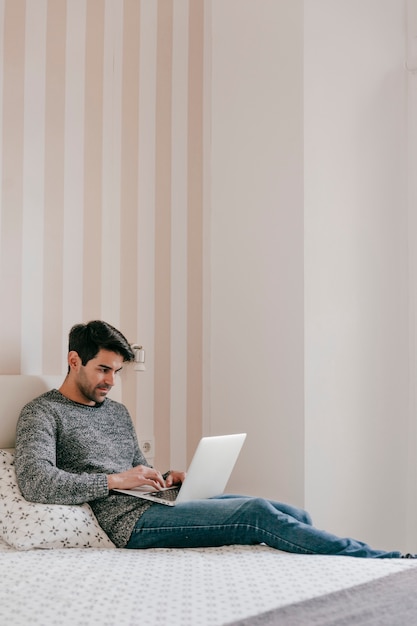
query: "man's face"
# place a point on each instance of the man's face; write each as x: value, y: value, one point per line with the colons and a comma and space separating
x: 95, y: 379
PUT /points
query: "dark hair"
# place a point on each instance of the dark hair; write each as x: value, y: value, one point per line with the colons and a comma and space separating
x: 88, y: 339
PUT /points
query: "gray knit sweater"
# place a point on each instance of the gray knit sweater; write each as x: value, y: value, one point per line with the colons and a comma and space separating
x: 64, y: 450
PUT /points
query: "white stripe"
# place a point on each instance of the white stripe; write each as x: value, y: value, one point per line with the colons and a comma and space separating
x: 2, y: 6
x: 33, y: 188
x: 146, y: 227
x: 179, y: 236
x: 112, y: 107
x: 74, y: 166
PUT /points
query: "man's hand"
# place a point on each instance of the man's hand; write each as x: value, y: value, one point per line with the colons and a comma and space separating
x: 136, y: 477
x: 174, y: 478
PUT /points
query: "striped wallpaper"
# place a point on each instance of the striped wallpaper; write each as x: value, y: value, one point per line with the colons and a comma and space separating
x: 101, y: 205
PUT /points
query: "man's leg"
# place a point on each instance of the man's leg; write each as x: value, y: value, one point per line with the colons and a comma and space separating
x: 230, y: 520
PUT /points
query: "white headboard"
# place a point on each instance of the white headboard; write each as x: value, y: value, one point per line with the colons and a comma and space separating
x: 18, y: 389
x: 15, y: 391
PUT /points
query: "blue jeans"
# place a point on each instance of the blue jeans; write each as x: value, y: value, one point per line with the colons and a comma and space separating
x: 228, y: 519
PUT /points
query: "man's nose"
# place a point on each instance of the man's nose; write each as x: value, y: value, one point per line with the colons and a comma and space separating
x: 110, y: 379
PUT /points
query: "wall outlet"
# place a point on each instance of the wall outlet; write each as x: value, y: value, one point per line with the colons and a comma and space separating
x: 148, y: 447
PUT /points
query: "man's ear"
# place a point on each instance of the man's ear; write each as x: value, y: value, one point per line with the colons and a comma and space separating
x: 73, y: 360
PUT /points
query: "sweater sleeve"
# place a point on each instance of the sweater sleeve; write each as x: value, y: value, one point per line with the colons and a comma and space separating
x: 39, y: 478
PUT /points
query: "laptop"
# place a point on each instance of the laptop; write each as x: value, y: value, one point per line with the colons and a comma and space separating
x: 207, y: 476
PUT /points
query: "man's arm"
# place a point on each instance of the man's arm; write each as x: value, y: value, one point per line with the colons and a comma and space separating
x: 39, y: 478
x: 40, y: 433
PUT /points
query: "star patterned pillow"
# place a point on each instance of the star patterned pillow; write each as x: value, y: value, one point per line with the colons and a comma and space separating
x: 26, y: 525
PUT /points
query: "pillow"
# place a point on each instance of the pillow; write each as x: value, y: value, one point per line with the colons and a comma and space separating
x: 26, y: 525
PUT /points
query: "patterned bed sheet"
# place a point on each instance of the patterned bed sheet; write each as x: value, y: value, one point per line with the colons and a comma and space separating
x: 187, y: 587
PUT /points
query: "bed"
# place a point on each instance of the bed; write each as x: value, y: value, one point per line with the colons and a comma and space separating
x: 58, y: 568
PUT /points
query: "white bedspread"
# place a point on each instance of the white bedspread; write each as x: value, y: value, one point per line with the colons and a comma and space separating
x: 192, y: 587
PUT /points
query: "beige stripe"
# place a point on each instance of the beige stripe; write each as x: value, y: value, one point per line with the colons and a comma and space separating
x: 178, y: 407
x: 54, y: 185
x: 207, y: 119
x: 146, y: 215
x: 93, y: 153
x: 163, y: 233
x: 129, y: 185
x: 112, y: 102
x: 12, y: 185
x: 195, y: 226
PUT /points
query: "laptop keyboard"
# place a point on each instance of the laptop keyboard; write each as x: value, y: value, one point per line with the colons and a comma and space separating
x: 168, y: 494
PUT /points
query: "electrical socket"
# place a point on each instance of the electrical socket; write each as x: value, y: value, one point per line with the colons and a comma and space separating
x: 148, y: 447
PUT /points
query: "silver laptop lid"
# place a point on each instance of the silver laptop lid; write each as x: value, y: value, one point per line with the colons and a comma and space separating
x: 208, y: 473
x: 211, y: 467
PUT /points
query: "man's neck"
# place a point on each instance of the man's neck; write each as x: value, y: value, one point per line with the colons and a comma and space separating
x: 71, y: 391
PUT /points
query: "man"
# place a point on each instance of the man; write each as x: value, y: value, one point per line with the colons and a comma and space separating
x: 75, y: 445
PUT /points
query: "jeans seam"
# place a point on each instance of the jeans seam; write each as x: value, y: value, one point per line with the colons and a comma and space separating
x: 184, y: 529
